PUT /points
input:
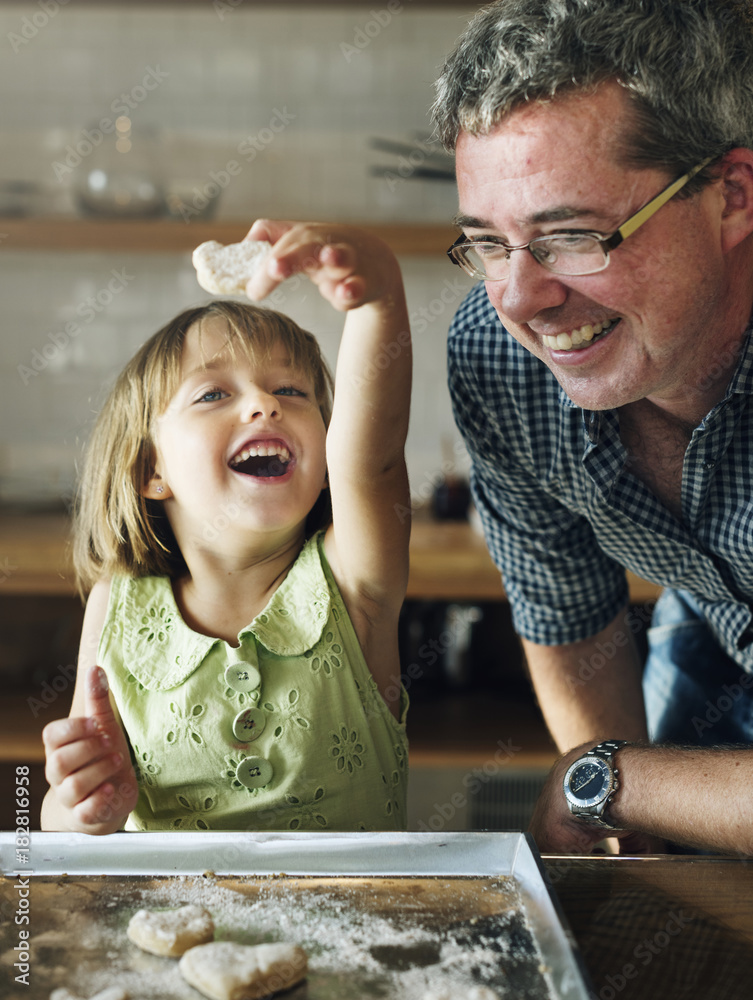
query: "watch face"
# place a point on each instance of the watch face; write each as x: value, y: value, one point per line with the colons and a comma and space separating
x: 589, y: 782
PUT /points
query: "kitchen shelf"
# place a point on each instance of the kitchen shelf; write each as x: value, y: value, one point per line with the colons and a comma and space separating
x: 166, y: 236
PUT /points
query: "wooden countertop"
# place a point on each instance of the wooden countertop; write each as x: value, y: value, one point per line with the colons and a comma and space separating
x: 671, y: 927
x: 449, y: 561
x: 465, y: 729
x: 34, y: 557
x: 455, y: 730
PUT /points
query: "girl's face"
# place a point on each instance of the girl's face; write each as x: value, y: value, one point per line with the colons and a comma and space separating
x: 241, y: 445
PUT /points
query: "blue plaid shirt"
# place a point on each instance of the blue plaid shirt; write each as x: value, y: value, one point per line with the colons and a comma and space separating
x: 563, y: 516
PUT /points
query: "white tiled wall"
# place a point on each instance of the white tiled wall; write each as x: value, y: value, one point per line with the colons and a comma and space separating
x: 293, y: 95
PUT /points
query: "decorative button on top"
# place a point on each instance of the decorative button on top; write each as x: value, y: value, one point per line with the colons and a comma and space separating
x: 249, y: 724
x: 254, y: 772
x: 241, y: 676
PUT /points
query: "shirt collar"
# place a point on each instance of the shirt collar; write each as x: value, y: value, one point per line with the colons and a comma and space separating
x: 292, y: 622
x: 742, y: 378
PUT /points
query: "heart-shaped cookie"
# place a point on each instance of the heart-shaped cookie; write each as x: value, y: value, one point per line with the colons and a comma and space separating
x: 171, y: 932
x: 224, y: 970
x: 468, y: 992
x: 225, y: 270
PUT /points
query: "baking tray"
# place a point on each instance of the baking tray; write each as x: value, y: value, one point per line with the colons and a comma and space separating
x: 391, y: 916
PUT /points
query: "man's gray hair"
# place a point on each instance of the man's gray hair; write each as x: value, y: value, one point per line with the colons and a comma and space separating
x: 686, y: 64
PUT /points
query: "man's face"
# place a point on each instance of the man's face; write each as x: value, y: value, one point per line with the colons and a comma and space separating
x: 663, y: 298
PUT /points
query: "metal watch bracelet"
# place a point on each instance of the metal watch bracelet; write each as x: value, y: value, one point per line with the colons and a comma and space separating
x: 593, y: 814
x: 607, y: 750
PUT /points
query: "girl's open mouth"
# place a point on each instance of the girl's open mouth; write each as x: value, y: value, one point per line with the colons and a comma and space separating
x: 265, y: 460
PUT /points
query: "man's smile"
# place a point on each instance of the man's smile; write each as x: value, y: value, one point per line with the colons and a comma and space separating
x: 580, y: 337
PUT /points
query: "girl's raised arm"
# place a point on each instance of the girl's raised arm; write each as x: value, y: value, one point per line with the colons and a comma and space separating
x: 358, y: 274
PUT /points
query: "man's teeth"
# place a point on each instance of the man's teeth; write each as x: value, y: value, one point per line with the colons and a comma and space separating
x: 261, y: 451
x: 581, y: 335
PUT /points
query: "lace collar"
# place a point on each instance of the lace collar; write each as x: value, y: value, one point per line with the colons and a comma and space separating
x: 161, y: 651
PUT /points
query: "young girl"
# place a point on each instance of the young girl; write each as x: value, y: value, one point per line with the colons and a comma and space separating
x: 239, y: 662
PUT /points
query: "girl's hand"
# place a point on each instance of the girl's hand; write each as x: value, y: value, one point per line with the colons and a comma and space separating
x: 88, y: 764
x: 351, y: 267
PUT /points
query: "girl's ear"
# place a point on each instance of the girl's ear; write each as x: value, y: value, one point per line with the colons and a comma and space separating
x: 156, y: 489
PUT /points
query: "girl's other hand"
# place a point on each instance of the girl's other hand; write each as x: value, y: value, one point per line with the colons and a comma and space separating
x: 88, y: 763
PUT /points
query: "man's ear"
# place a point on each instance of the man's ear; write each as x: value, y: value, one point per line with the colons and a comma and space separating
x: 156, y: 488
x: 737, y: 190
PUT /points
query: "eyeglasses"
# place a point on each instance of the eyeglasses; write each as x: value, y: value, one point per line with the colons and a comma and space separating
x: 573, y: 253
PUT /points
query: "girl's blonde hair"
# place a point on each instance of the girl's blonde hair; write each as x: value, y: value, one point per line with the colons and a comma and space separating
x: 115, y: 528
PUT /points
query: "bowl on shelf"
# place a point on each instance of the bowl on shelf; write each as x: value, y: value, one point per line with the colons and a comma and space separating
x: 190, y: 200
x: 119, y: 195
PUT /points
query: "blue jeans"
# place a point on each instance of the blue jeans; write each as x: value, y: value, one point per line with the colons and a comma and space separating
x: 695, y: 694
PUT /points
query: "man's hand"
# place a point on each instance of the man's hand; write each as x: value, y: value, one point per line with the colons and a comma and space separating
x: 88, y: 764
x: 556, y: 831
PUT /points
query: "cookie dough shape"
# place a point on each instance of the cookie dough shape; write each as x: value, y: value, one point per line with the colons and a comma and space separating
x: 109, y: 993
x: 225, y: 269
x: 225, y: 970
x: 171, y: 932
x: 471, y: 993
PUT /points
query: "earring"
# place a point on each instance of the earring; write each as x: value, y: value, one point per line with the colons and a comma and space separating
x: 159, y: 489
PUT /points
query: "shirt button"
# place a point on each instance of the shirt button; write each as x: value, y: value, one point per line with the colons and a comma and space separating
x: 242, y: 676
x: 248, y: 724
x: 254, y: 772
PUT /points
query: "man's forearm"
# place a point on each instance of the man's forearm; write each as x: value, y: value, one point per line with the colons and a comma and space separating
x: 697, y: 796
x: 590, y: 690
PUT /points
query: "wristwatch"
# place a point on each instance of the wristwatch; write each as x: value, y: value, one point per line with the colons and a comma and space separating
x: 590, y: 784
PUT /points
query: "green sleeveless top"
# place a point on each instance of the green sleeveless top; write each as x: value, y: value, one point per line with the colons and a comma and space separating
x: 296, y: 737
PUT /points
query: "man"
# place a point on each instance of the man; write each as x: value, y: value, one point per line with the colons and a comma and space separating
x: 602, y: 373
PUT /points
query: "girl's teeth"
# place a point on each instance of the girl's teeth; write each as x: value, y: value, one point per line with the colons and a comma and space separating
x: 261, y: 451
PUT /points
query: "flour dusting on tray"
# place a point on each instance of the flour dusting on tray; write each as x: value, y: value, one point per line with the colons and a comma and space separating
x: 395, y: 938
